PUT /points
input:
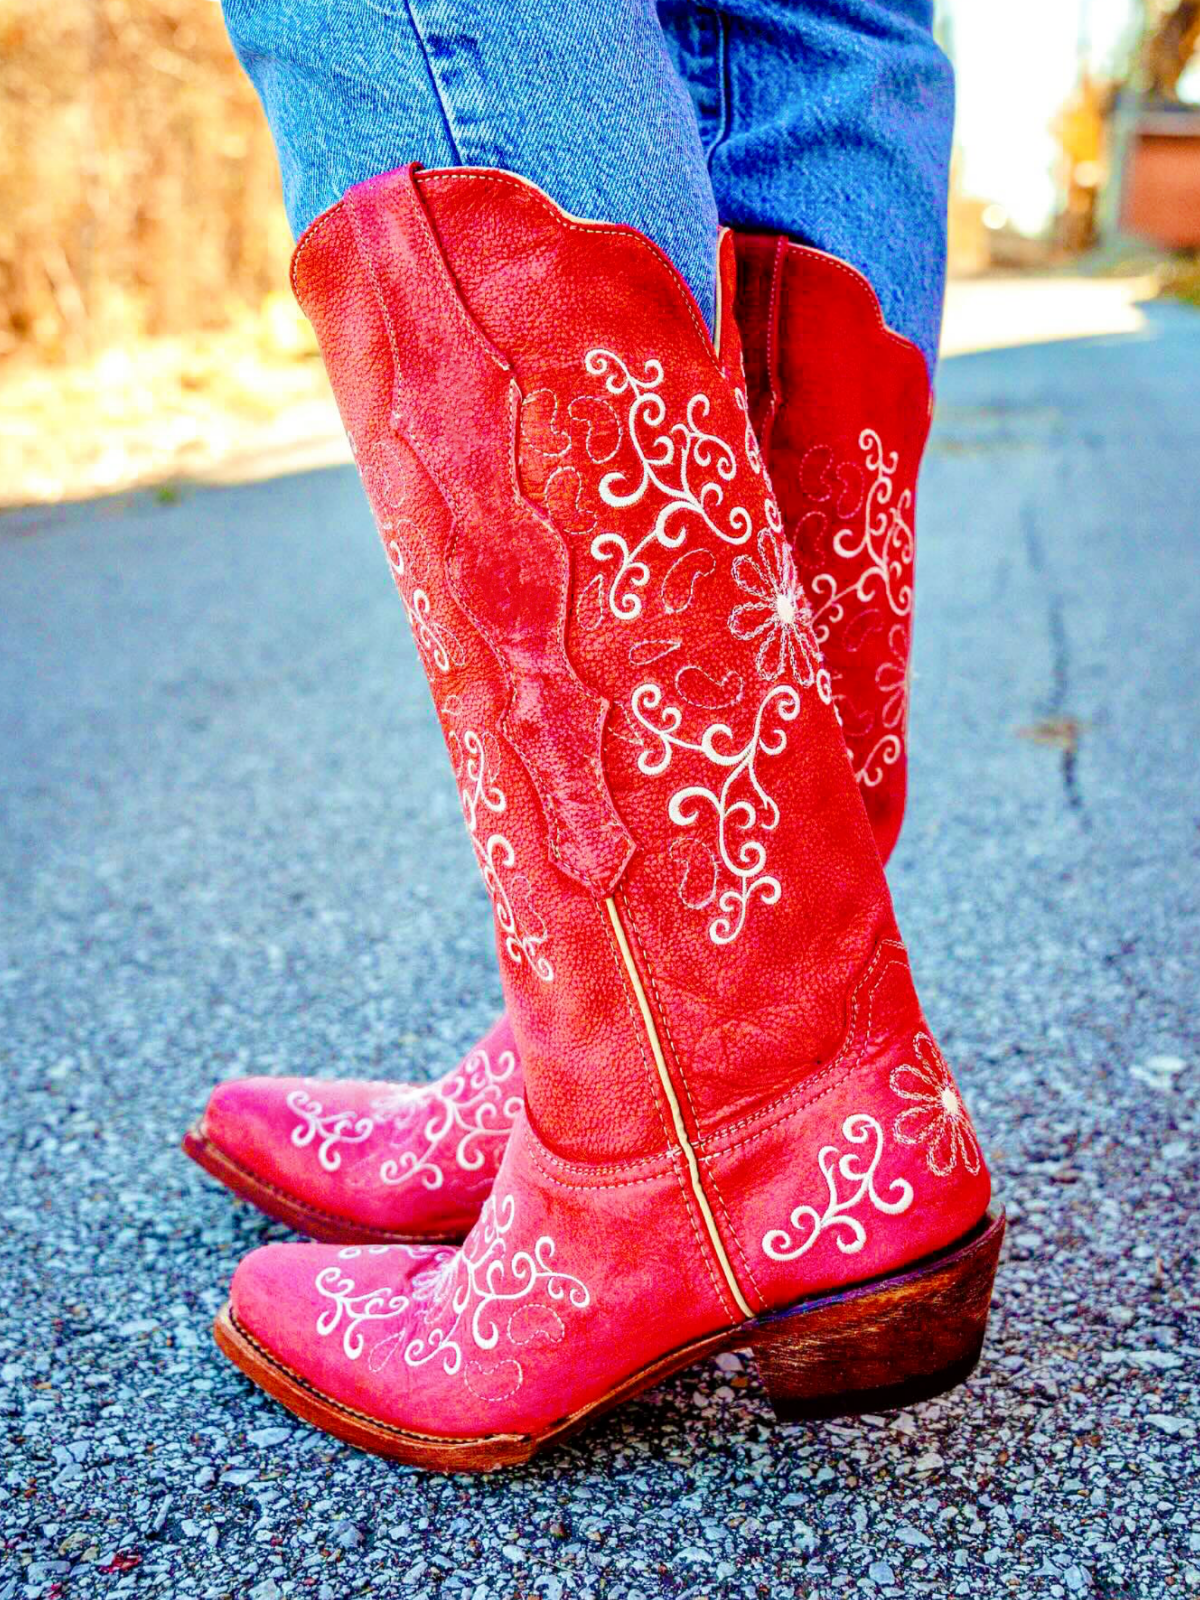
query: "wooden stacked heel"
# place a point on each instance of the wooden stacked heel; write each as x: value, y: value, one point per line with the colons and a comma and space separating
x: 883, y: 1344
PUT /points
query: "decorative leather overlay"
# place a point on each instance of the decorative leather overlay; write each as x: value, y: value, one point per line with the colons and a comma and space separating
x: 473, y: 1311
x: 686, y: 494
x: 515, y: 589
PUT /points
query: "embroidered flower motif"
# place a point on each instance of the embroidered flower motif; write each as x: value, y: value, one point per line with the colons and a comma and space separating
x: 779, y: 614
x: 937, y: 1117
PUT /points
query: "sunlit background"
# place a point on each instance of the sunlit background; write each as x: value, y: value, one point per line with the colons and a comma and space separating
x: 146, y: 334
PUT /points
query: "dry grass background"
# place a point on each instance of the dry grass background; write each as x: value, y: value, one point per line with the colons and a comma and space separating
x: 146, y: 328
x: 138, y: 188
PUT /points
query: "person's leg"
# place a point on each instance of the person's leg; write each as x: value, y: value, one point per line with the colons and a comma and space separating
x: 580, y: 99
x: 830, y: 121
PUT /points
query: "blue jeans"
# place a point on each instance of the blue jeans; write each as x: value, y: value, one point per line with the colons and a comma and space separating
x: 827, y: 120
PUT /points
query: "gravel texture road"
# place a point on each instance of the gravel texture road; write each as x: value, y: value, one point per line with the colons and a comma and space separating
x: 229, y: 844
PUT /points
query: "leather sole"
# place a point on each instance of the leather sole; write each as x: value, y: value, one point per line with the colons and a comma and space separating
x: 890, y: 1342
x: 283, y: 1207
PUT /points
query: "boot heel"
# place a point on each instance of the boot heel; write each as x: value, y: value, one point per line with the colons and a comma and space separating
x: 883, y: 1344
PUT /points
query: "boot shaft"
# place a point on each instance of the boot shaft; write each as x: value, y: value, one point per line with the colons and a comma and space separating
x: 841, y: 405
x: 625, y: 665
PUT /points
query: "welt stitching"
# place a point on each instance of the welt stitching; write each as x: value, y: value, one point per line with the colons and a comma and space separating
x: 306, y: 1208
x: 373, y: 1423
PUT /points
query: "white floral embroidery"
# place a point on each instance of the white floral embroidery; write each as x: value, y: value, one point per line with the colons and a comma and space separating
x: 462, y: 1113
x: 740, y: 804
x: 880, y: 555
x: 471, y: 1310
x: 892, y: 679
x: 836, y: 1218
x: 466, y: 1111
x: 779, y: 614
x: 937, y: 1119
x: 330, y: 1128
x: 683, y: 462
x: 522, y: 929
x: 437, y: 643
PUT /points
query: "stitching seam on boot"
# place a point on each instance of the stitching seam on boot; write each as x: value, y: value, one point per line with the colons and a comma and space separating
x: 689, y: 1154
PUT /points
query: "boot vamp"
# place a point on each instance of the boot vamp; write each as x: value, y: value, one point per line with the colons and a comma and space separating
x: 402, y: 1157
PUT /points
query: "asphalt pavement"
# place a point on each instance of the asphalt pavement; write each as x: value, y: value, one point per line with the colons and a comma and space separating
x: 228, y: 844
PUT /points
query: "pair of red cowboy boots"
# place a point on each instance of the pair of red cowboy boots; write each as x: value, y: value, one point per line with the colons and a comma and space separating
x: 713, y: 1115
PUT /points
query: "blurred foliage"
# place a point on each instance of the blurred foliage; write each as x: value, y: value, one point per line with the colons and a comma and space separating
x: 1172, y: 39
x: 138, y: 187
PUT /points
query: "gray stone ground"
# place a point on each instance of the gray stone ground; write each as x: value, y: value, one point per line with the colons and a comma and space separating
x: 229, y: 845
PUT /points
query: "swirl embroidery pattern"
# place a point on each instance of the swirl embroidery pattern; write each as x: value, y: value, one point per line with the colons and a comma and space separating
x: 326, y: 1129
x: 878, y: 577
x: 466, y: 1111
x: 476, y: 762
x: 692, y: 493
x: 685, y: 464
x: 741, y: 805
x: 469, y: 1311
x: 836, y: 1218
x: 462, y: 1120
x: 437, y: 644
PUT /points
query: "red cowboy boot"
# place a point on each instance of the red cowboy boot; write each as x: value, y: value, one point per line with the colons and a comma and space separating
x: 841, y: 406
x: 841, y: 409
x: 352, y: 1161
x: 737, y: 1129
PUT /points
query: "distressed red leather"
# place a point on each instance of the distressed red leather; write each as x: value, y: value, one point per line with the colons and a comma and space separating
x: 842, y: 406
x: 732, y: 1098
x: 363, y: 1159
